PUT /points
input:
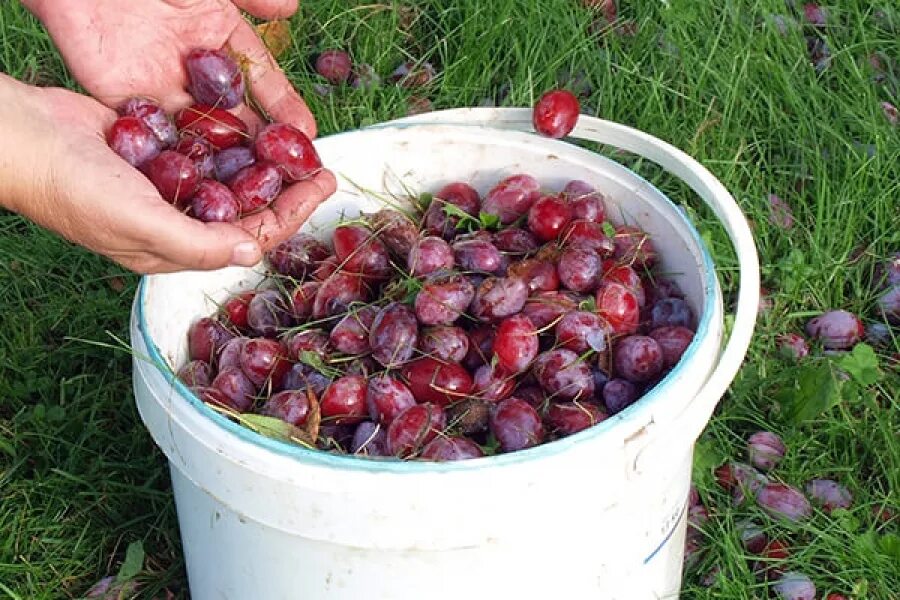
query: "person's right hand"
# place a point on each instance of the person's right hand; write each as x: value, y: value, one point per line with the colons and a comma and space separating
x: 116, y: 52
x: 57, y: 170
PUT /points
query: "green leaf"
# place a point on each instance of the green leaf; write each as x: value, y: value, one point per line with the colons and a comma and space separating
x: 7, y: 447
x: 314, y: 360
x: 860, y: 589
x: 490, y: 446
x: 847, y: 521
x: 133, y: 563
x: 56, y: 413
x: 273, y: 427
x: 706, y: 458
x: 861, y: 364
x: 608, y: 229
x: 866, y: 543
x: 424, y: 200
x: 889, y: 545
x: 465, y: 222
x: 452, y: 210
x: 412, y: 288
x: 489, y: 221
x: 817, y: 390
x: 794, y: 272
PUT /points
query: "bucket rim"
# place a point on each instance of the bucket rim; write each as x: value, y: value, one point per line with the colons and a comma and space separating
x: 319, y: 458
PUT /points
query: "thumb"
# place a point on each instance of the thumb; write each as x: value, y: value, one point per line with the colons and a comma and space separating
x: 194, y: 245
x: 269, y: 85
x: 268, y: 9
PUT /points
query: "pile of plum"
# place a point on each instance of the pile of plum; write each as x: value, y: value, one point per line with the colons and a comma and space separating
x: 206, y: 161
x: 466, y: 327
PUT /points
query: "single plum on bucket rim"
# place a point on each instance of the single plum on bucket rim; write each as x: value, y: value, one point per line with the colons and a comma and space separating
x: 556, y: 113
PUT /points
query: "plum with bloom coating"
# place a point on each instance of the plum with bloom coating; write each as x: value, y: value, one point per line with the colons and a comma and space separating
x: 765, y: 450
x: 795, y: 586
x: 829, y: 494
x: 783, y: 501
x: 215, y: 78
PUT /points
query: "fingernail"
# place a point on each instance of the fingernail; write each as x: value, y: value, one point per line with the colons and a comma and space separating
x: 245, y: 254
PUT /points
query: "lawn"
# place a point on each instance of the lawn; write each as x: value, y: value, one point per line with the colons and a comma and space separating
x: 730, y: 82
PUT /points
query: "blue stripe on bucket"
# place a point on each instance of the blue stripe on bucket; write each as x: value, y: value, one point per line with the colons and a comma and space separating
x: 668, y: 536
x: 635, y: 412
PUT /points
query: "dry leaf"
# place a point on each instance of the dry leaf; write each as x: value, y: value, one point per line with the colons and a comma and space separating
x: 117, y: 284
x: 407, y: 17
x: 314, y: 418
x: 276, y: 35
x: 627, y: 28
x: 607, y: 7
x: 418, y: 105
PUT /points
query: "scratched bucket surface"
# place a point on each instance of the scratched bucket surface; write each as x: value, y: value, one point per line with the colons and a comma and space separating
x: 600, y: 514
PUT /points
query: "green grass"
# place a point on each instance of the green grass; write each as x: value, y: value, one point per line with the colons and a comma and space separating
x: 80, y: 478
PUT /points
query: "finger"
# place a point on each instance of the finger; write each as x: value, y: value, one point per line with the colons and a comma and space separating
x: 268, y: 83
x: 290, y: 210
x: 268, y: 9
x: 144, y: 264
x: 250, y: 117
x: 174, y: 101
x: 191, y: 244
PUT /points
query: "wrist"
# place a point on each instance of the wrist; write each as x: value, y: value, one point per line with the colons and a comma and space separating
x: 22, y: 161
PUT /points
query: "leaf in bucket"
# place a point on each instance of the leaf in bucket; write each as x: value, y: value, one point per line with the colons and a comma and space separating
x: 466, y: 221
x: 276, y: 35
x: 490, y: 446
x: 608, y: 229
x: 314, y: 419
x: 411, y: 287
x: 424, y: 201
x: 275, y: 428
x: 133, y: 563
x: 315, y: 361
x: 489, y: 221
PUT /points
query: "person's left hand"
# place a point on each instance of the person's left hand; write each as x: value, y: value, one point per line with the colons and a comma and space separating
x: 116, y: 50
x: 57, y: 170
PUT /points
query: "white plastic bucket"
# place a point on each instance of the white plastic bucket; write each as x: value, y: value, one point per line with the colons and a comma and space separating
x: 600, y: 514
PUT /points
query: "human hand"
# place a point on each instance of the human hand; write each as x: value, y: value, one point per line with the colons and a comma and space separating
x: 57, y: 170
x: 116, y: 53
